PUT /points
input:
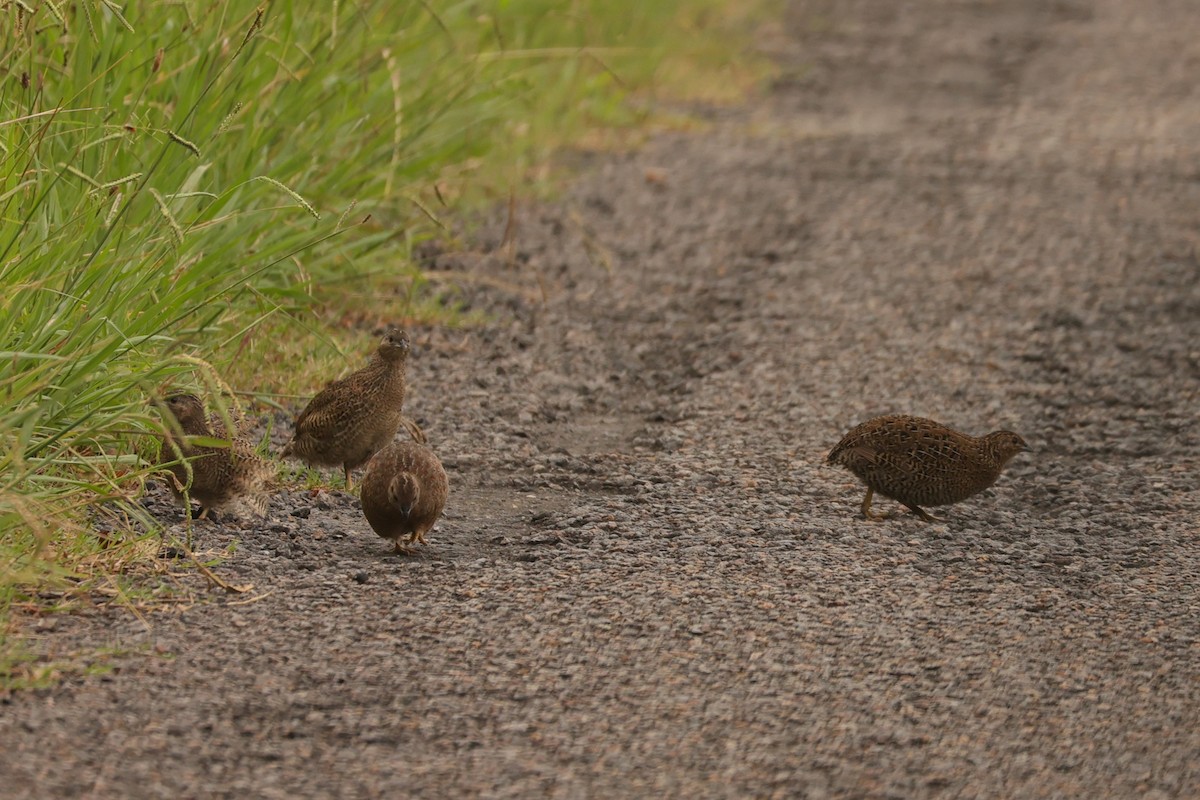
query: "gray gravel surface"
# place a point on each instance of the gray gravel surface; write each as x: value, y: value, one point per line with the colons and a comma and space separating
x: 647, y: 583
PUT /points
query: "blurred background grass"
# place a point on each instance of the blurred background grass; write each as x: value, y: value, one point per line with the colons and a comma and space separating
x: 190, y: 191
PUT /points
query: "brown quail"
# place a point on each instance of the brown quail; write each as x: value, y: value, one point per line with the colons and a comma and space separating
x: 404, y: 492
x: 920, y: 462
x: 221, y: 476
x: 352, y: 418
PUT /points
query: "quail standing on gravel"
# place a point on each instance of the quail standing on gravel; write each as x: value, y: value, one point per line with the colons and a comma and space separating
x: 221, y: 477
x: 352, y: 418
x: 404, y: 492
x: 920, y: 462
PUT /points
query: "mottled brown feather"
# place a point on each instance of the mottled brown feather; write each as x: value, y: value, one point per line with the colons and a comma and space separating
x: 404, y: 492
x: 352, y: 418
x: 222, y: 477
x: 919, y: 462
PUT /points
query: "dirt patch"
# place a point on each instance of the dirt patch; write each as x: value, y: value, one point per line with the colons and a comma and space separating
x: 647, y: 582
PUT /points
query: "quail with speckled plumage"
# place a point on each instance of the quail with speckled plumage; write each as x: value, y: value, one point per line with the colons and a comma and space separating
x: 919, y: 462
x: 404, y: 492
x: 222, y: 477
x: 352, y: 418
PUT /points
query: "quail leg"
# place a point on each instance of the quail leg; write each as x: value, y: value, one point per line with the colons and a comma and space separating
x: 920, y: 512
x: 213, y: 516
x: 349, y: 483
x: 403, y: 549
x: 866, y: 506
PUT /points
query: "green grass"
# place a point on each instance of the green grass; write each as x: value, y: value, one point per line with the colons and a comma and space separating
x: 189, y: 190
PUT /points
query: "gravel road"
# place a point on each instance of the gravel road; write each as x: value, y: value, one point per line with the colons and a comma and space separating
x: 647, y: 584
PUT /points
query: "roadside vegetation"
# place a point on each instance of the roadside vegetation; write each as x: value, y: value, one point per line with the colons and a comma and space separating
x: 194, y: 194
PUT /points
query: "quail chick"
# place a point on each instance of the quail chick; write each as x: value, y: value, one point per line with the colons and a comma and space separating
x: 404, y: 492
x: 352, y: 418
x: 920, y: 462
x: 221, y: 476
